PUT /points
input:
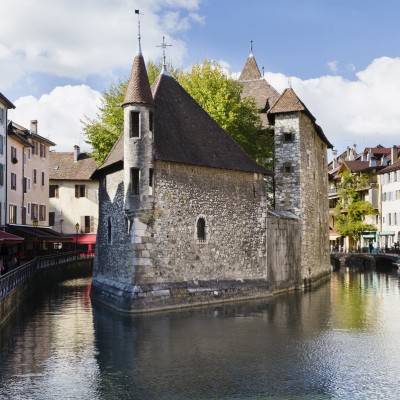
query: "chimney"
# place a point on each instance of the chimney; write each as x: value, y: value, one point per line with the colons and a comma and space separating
x: 76, y: 153
x: 395, y: 154
x: 334, y: 161
x: 347, y: 153
x: 34, y: 126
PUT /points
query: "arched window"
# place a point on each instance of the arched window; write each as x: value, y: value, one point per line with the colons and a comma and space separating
x: 201, y: 229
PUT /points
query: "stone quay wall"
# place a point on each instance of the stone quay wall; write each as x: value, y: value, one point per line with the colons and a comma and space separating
x: 40, y: 280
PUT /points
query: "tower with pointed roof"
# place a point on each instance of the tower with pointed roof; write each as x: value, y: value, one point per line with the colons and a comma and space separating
x: 300, y: 182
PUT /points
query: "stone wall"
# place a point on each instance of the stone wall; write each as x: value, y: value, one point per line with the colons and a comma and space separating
x: 283, y: 250
x: 155, y: 256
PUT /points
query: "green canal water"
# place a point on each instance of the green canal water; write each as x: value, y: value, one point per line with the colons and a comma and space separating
x: 340, y: 341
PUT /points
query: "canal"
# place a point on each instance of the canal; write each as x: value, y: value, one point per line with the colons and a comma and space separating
x: 340, y: 341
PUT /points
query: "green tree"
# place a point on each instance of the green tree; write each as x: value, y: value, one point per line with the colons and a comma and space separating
x: 351, y: 209
x: 215, y: 91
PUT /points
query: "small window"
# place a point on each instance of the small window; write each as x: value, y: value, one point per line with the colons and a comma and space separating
x: 52, y: 218
x: 80, y: 191
x: 2, y: 116
x: 1, y: 144
x: 135, y: 117
x: 1, y: 174
x: 135, y: 180
x: 201, y: 229
x: 42, y: 151
x: 29, y: 183
x: 287, y: 168
x: 151, y: 121
x: 34, y: 211
x: 14, y: 159
x: 109, y: 231
x: 151, y: 178
x: 42, y: 178
x: 12, y: 214
x: 29, y: 154
x: 53, y: 191
x: 24, y: 184
x: 35, y: 176
x: 42, y: 213
x: 13, y: 181
x: 288, y: 137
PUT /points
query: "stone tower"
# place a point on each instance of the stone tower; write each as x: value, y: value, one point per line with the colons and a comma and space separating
x: 301, y: 182
x: 138, y: 146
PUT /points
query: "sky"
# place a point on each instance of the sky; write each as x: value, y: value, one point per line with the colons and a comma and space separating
x: 341, y: 57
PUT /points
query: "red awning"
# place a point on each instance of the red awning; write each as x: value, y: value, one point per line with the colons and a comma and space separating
x: 86, y: 238
x: 8, y: 238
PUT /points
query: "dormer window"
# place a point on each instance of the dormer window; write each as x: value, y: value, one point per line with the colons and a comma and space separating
x: 134, y: 124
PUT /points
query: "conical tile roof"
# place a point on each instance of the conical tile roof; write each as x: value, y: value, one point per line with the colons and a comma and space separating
x: 250, y: 70
x: 138, y: 90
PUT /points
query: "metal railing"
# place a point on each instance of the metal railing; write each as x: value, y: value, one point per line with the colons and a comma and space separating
x: 19, y: 275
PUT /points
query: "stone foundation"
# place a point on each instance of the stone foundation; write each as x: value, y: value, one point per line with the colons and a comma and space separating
x: 170, y: 295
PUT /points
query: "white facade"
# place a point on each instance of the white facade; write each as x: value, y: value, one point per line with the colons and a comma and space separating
x: 5, y: 105
x: 73, y: 202
x: 390, y: 208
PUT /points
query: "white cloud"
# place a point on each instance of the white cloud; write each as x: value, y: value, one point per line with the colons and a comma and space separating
x: 59, y: 114
x: 364, y: 111
x: 76, y: 39
x: 333, y: 66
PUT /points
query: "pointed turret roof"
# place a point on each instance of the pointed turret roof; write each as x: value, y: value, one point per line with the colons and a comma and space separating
x: 138, y: 90
x: 289, y: 102
x: 254, y: 85
x: 250, y: 70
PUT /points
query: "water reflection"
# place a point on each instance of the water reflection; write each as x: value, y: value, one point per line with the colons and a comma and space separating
x: 337, y: 342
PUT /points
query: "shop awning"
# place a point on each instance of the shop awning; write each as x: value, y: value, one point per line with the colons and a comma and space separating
x: 8, y: 238
x: 39, y: 233
x: 333, y: 236
x: 387, y: 233
x: 86, y: 238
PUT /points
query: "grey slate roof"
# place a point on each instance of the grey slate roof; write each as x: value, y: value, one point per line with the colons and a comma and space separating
x: 185, y: 133
x: 63, y: 167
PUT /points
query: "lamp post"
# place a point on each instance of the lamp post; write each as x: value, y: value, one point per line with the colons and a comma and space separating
x: 35, y: 224
x: 76, y: 238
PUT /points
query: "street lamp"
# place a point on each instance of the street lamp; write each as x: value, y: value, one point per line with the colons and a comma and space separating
x: 35, y: 224
x: 76, y: 237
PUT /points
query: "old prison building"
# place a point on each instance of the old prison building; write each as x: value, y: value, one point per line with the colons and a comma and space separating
x: 183, y: 217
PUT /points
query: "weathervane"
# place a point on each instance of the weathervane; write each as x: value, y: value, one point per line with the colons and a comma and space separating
x: 163, y: 45
x: 251, y: 46
x: 139, y: 37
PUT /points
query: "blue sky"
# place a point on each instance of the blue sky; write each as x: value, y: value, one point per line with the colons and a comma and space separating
x: 342, y: 56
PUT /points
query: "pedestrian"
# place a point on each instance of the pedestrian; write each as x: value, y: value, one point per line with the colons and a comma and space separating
x: 371, y: 247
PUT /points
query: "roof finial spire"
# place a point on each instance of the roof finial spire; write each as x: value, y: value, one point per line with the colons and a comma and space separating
x: 251, y: 47
x: 139, y: 37
x: 163, y: 45
x: 290, y: 82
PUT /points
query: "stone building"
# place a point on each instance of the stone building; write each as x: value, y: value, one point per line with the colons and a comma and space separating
x: 300, y: 165
x: 183, y: 217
